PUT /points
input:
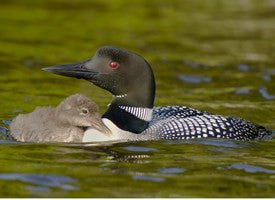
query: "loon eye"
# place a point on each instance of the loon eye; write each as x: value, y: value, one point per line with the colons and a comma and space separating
x: 114, y: 65
x: 84, y: 111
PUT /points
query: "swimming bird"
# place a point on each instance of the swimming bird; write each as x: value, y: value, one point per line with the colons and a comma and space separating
x: 65, y: 123
x: 130, y: 79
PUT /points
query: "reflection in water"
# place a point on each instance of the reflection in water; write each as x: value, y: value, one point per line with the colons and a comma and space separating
x: 115, y: 152
x: 263, y: 91
x: 250, y: 168
x: 267, y: 74
x: 186, y: 63
x: 102, y: 167
x: 243, y: 67
x: 38, y: 188
x: 5, y: 141
x: 139, y: 149
x: 49, y: 180
x: 266, y: 77
x: 6, y: 122
x: 208, y: 141
x: 172, y: 170
x: 148, y: 178
x: 194, y: 64
x: 242, y: 91
x: 3, y: 130
x: 194, y: 78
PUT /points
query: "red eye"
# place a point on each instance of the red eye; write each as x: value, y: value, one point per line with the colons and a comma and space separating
x: 114, y: 65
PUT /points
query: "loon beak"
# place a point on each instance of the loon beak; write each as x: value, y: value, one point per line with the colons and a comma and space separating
x: 76, y: 70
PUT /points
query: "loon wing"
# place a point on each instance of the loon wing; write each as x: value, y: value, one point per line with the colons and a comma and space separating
x: 164, y: 112
x: 176, y: 122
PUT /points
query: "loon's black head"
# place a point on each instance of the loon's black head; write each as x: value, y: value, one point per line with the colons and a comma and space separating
x: 126, y: 75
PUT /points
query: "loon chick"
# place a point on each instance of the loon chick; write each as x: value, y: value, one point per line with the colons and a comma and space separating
x: 65, y: 123
x: 130, y: 79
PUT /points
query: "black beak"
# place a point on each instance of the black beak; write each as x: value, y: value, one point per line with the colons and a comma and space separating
x: 76, y: 70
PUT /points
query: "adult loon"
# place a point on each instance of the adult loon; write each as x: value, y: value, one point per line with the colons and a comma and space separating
x: 130, y: 79
x: 65, y: 123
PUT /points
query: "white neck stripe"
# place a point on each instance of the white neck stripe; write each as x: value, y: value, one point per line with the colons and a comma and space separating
x: 121, y: 95
x: 145, y: 114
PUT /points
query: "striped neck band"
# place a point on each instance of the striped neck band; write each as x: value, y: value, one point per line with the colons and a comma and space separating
x: 145, y: 114
x: 121, y: 95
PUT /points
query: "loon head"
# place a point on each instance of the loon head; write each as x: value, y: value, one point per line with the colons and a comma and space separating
x: 126, y: 75
x: 77, y: 110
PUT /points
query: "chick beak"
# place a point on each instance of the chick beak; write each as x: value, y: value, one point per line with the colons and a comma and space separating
x: 100, y: 126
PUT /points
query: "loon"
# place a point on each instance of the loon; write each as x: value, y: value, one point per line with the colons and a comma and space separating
x: 130, y: 79
x: 65, y: 123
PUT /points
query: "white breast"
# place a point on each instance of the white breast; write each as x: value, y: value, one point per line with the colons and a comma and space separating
x: 93, y: 135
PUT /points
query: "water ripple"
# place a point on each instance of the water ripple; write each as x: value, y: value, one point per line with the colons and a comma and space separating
x: 148, y: 178
x: 242, y: 91
x: 140, y: 149
x: 194, y: 78
x: 38, y: 188
x: 266, y: 77
x: 249, y: 168
x: 243, y: 67
x: 171, y: 170
x: 3, y: 130
x: 194, y: 65
x: 49, y: 180
x: 9, y: 142
x: 264, y: 93
x: 7, y: 121
x: 214, y: 142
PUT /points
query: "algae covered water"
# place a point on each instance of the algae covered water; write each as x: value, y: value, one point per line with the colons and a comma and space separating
x: 216, y: 56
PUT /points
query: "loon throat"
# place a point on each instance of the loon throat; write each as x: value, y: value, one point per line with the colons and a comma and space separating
x: 129, y: 118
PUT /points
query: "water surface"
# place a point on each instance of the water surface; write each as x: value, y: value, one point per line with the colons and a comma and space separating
x: 217, y: 56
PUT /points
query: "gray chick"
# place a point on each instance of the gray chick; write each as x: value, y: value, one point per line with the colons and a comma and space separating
x: 65, y: 123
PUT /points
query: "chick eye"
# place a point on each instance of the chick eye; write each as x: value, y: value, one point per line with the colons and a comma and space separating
x: 114, y: 65
x: 84, y: 111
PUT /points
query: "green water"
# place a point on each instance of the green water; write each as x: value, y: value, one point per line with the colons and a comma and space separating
x: 231, y: 43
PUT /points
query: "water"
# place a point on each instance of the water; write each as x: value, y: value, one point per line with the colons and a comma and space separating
x: 226, y: 48
x: 155, y: 169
